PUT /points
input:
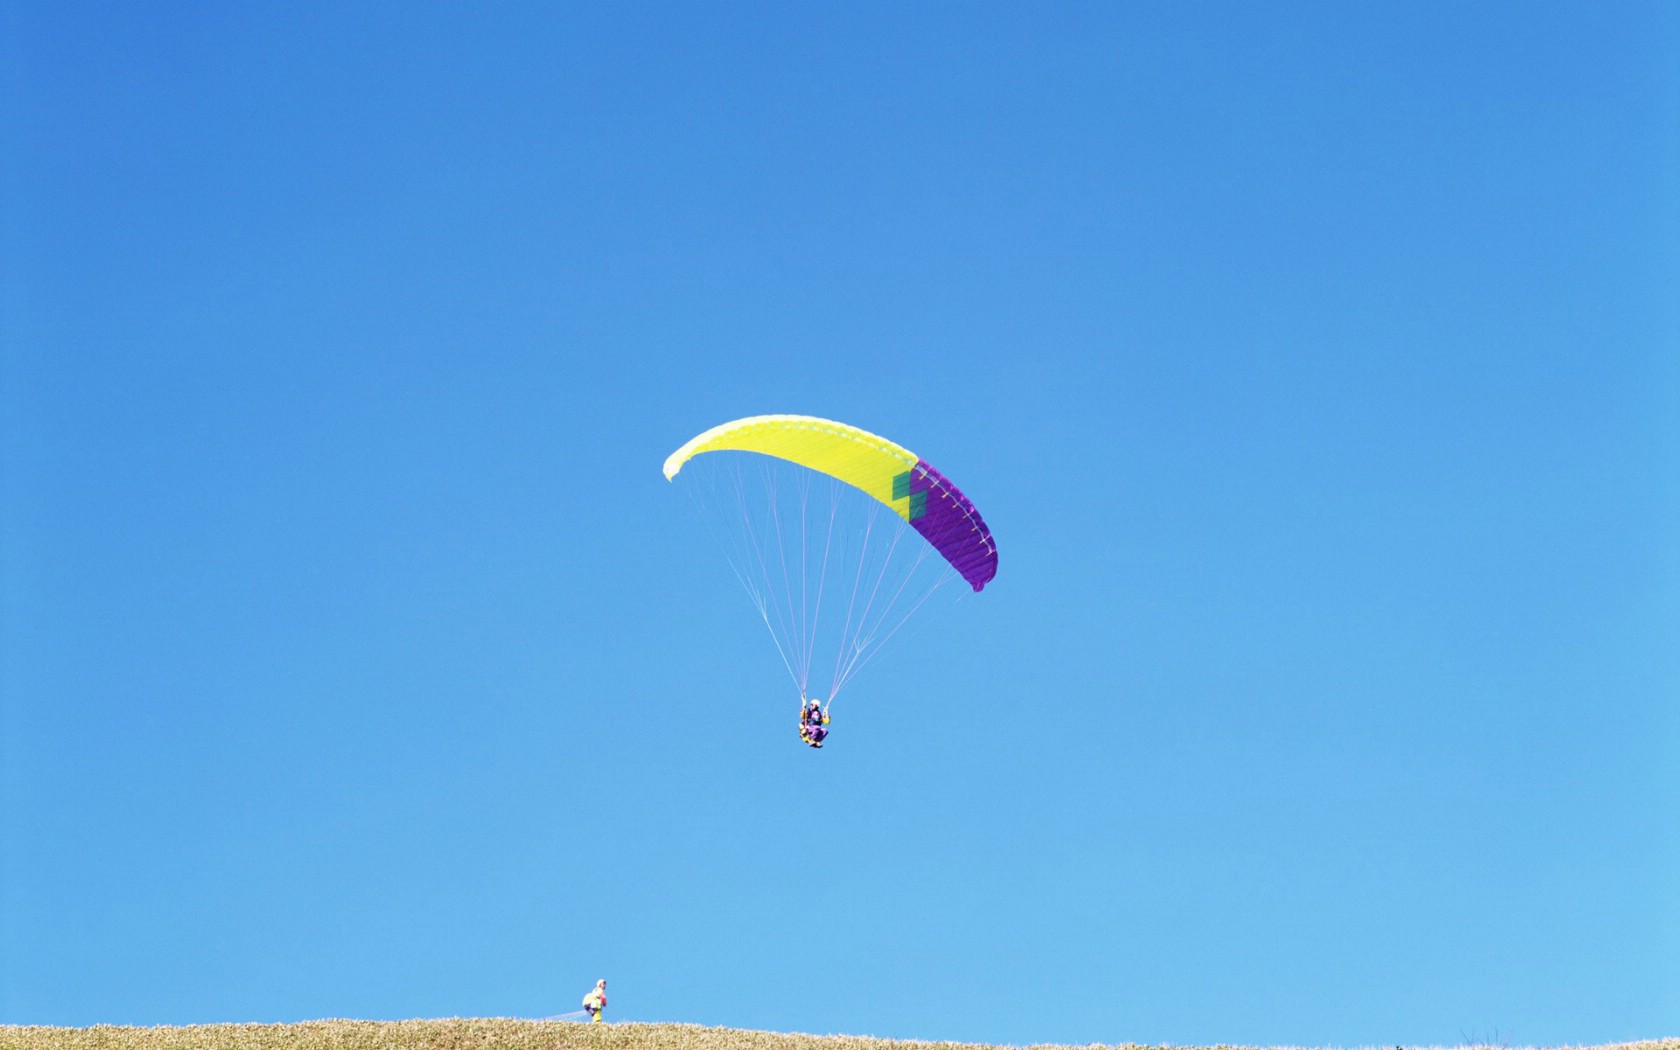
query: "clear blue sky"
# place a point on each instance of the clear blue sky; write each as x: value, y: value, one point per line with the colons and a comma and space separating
x: 1318, y: 370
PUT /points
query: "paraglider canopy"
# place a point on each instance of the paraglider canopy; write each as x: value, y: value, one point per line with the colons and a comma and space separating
x: 838, y: 536
x: 890, y: 473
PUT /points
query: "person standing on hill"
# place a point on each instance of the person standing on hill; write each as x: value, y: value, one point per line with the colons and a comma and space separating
x: 596, y: 1001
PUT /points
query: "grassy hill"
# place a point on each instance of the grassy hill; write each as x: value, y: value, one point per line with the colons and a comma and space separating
x: 476, y: 1034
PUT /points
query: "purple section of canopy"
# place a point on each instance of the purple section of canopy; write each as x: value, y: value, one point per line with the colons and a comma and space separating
x: 953, y: 526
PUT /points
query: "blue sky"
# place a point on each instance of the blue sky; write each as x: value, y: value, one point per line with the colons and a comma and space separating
x: 1317, y: 369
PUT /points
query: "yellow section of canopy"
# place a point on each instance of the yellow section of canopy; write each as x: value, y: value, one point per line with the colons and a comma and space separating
x: 857, y: 457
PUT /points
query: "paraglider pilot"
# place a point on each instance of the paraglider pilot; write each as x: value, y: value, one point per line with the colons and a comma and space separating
x: 596, y: 1001
x: 813, y: 721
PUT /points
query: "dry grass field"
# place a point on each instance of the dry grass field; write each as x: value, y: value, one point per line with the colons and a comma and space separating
x: 479, y: 1034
